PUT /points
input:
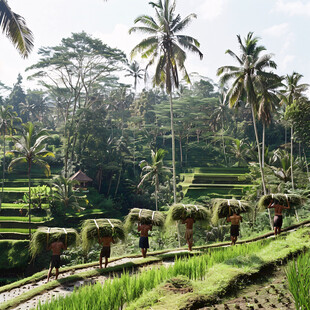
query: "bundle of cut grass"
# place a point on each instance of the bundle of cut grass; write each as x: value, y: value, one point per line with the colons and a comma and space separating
x: 44, y: 236
x: 181, y: 212
x: 222, y: 208
x: 106, y: 228
x: 282, y: 199
x: 144, y: 216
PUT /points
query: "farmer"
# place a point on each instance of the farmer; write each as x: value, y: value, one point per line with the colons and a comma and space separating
x: 235, y: 220
x: 144, y: 237
x: 56, y: 247
x: 278, y: 219
x: 189, y: 231
x: 106, y: 249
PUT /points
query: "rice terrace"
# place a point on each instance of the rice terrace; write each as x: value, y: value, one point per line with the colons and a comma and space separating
x: 154, y: 155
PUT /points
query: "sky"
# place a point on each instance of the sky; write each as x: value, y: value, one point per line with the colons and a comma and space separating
x: 282, y: 25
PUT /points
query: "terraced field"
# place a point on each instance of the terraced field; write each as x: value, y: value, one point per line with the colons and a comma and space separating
x: 215, y: 182
x: 14, y: 215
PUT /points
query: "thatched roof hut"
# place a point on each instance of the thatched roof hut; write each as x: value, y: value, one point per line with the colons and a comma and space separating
x: 81, y: 177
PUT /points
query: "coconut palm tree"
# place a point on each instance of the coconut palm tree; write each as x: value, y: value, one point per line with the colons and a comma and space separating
x: 30, y: 149
x: 7, y: 118
x: 15, y: 28
x: 268, y: 101
x: 154, y: 171
x: 136, y: 72
x: 293, y: 93
x: 166, y: 46
x: 245, y: 77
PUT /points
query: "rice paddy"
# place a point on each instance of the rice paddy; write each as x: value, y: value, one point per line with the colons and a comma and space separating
x: 121, y: 291
x: 298, y: 275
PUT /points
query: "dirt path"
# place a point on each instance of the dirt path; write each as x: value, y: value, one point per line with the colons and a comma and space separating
x: 65, y: 289
x: 270, y: 292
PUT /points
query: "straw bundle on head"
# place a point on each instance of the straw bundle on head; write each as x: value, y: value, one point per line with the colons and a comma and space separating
x: 222, y: 208
x: 44, y: 236
x: 182, y: 212
x: 282, y: 199
x: 144, y: 216
x: 106, y: 228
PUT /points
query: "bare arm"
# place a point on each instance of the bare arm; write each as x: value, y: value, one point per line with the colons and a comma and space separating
x: 270, y: 205
x: 288, y: 205
x: 228, y: 219
x: 241, y: 218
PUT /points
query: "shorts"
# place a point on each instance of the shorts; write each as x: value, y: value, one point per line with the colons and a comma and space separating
x: 277, y: 221
x: 189, y: 235
x: 234, y: 230
x: 105, y: 251
x: 55, y: 261
x: 144, y: 243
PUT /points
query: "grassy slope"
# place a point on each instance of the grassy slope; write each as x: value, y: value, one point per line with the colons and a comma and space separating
x: 221, y: 276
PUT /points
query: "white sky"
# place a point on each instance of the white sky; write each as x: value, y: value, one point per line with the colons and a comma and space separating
x: 282, y: 25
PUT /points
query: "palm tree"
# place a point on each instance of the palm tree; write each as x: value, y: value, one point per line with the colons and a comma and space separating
x: 15, y: 28
x: 136, y: 72
x: 268, y: 101
x: 63, y: 192
x: 7, y: 117
x: 166, y: 46
x: 30, y: 150
x: 245, y: 77
x: 154, y: 171
x: 293, y: 93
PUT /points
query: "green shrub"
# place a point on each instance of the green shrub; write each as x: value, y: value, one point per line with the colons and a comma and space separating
x: 14, y: 254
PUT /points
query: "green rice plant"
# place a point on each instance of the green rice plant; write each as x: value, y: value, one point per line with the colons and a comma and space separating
x: 21, y: 219
x: 120, y: 291
x: 222, y: 208
x: 298, y: 275
x: 294, y: 199
x: 92, y: 229
x: 182, y: 211
x: 44, y: 236
x: 144, y: 216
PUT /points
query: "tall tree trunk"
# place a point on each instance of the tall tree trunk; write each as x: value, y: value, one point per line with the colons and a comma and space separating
x: 292, y: 172
x: 223, y: 141
x: 173, y: 151
x: 181, y: 151
x: 29, y: 198
x: 156, y: 192
x: 292, y: 145
x: 3, y: 170
x: 118, y: 182
x: 307, y: 168
x: 110, y: 183
x: 260, y: 161
x: 263, y: 145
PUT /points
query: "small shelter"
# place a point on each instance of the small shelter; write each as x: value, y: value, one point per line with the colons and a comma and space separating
x: 82, y: 178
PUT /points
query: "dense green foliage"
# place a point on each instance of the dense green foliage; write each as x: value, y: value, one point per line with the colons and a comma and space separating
x: 14, y: 254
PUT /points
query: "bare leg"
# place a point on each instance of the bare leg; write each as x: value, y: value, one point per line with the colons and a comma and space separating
x: 57, y: 273
x: 275, y: 231
x: 145, y: 250
x: 49, y: 274
x: 142, y: 251
x: 100, y: 262
x: 232, y: 240
x: 106, y: 262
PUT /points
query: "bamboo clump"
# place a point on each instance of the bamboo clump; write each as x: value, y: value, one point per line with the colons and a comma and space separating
x: 222, y: 208
x: 93, y: 229
x: 294, y: 200
x: 144, y: 216
x: 44, y: 236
